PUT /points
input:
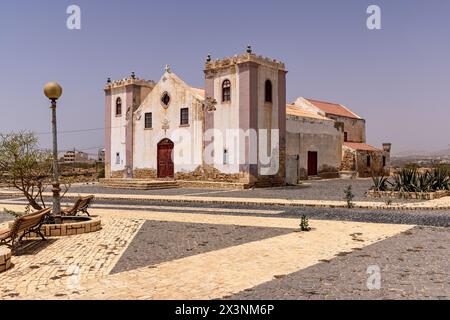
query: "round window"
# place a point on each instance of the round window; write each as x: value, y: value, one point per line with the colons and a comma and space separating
x: 165, y: 99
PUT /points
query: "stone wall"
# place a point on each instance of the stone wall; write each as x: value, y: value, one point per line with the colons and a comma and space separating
x: 408, y: 195
x: 208, y: 173
x: 356, y: 160
x: 5, y: 259
x: 376, y: 163
x: 118, y: 174
x: 145, y: 174
x: 348, y: 160
x: 209, y: 177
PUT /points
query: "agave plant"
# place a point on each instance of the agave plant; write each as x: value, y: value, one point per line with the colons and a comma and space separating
x: 424, y: 182
x: 405, y: 180
x: 411, y: 180
x: 380, y: 183
x: 441, y: 178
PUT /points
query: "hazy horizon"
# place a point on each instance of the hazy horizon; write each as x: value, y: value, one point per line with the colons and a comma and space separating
x: 396, y: 78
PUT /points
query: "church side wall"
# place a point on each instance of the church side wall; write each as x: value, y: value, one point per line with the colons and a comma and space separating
x: 321, y: 136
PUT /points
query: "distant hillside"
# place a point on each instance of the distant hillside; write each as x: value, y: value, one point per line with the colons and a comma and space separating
x: 442, y: 153
x: 421, y: 158
x: 417, y: 153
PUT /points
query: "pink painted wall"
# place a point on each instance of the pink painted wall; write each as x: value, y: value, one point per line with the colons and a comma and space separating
x: 108, y: 114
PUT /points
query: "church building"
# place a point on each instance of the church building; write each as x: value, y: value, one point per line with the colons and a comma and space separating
x: 237, y: 130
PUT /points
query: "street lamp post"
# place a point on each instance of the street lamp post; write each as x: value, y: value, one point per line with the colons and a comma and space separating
x: 53, y: 91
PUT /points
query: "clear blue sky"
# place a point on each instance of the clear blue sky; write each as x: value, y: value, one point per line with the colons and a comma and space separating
x: 397, y: 78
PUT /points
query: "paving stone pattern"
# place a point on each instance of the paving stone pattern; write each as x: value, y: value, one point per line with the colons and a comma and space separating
x: 159, y: 241
x: 414, y: 265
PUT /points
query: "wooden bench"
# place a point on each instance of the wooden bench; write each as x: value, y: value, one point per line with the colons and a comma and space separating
x: 81, y: 205
x: 25, y: 225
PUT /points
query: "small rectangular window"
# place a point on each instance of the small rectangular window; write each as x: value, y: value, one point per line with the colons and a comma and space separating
x: 384, y: 161
x: 368, y: 161
x: 148, y: 120
x: 225, y: 156
x: 184, y: 116
x: 345, y: 137
x: 117, y: 158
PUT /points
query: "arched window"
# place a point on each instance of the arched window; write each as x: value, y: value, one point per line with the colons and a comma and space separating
x: 118, y: 107
x: 268, y: 91
x: 226, y: 91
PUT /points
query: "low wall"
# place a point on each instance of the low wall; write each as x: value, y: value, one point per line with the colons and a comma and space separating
x: 70, y: 229
x: 408, y: 195
x: 5, y: 259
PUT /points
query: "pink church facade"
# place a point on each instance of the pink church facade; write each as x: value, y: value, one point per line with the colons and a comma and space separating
x: 232, y: 131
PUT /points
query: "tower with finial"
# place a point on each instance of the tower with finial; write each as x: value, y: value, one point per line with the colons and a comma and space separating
x: 250, y: 91
x: 122, y: 97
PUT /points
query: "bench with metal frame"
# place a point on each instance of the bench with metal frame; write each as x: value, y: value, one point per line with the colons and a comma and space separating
x: 23, y: 226
x: 81, y: 205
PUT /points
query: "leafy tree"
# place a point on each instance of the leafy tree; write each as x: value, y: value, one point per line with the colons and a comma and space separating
x: 26, y: 167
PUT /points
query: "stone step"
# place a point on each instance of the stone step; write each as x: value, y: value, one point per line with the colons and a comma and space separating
x: 141, y: 188
x: 138, y: 184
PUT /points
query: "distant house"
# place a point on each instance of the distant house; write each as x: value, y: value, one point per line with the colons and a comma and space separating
x: 74, y: 156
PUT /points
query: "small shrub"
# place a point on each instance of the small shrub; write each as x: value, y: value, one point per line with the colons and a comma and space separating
x: 12, y: 213
x: 349, y: 196
x: 18, y: 214
x: 304, y: 224
x: 101, y: 173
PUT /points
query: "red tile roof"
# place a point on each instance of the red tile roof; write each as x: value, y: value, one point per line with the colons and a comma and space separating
x: 360, y: 146
x: 293, y: 110
x: 334, y: 109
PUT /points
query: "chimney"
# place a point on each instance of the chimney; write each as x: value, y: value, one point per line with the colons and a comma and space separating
x: 387, y: 147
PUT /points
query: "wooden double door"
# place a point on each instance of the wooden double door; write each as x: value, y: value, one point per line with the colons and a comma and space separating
x: 165, y: 159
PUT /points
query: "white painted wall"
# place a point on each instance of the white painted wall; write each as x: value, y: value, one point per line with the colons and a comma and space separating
x: 226, y: 124
x: 187, y: 140
x: 118, y: 124
x: 268, y: 112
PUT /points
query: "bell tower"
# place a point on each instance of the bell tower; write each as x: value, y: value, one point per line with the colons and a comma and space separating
x: 250, y: 92
x: 122, y: 98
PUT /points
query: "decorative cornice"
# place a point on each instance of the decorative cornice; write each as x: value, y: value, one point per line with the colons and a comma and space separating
x: 128, y: 82
x: 244, y: 58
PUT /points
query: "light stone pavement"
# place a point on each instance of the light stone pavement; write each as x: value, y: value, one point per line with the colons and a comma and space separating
x: 442, y: 203
x: 79, y: 267
x: 66, y: 261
